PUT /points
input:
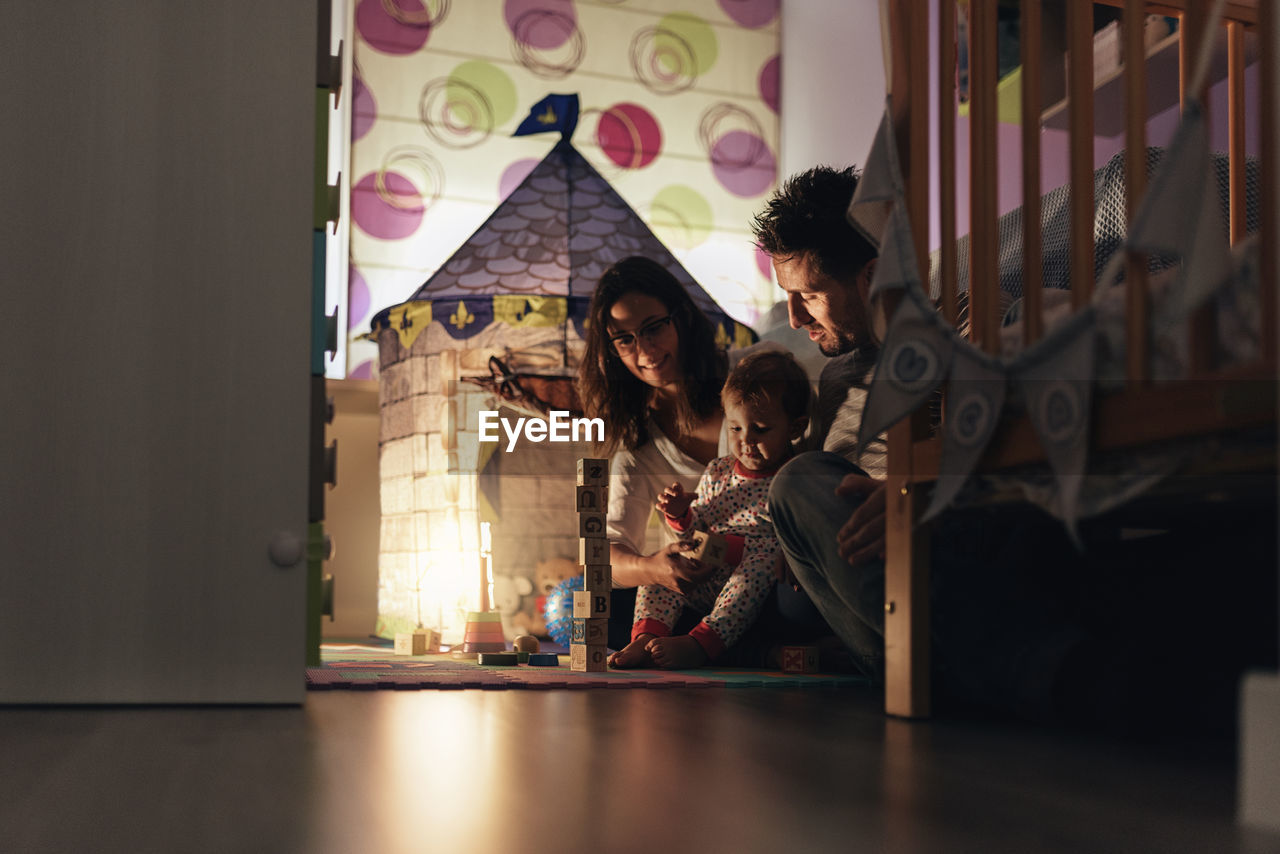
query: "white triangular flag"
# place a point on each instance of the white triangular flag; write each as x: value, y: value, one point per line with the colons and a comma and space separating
x: 1181, y: 215
x: 1056, y: 381
x: 975, y: 399
x: 913, y: 362
x: 896, y: 267
x: 880, y: 186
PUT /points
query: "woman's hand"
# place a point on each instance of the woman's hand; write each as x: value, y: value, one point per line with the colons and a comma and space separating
x: 674, y: 501
x: 862, y: 537
x: 669, y: 568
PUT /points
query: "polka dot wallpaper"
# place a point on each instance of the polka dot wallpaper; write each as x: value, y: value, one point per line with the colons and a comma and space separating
x: 679, y: 112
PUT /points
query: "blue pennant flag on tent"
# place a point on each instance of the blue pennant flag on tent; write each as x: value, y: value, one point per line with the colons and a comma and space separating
x: 554, y: 112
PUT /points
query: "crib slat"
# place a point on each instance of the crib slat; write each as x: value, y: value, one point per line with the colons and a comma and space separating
x: 1135, y: 73
x: 1270, y: 150
x: 1032, y: 269
x: 1200, y: 330
x: 1080, y: 112
x: 982, y: 169
x: 947, y: 155
x: 1235, y: 129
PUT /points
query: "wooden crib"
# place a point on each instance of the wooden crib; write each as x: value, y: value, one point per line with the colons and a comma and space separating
x: 1143, y: 412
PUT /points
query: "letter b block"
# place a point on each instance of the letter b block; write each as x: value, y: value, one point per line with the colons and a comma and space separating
x: 588, y: 604
x: 593, y: 472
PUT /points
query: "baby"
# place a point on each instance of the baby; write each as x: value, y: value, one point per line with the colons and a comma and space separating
x: 766, y: 400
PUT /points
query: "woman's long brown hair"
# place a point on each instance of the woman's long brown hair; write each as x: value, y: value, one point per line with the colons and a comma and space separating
x: 611, y: 392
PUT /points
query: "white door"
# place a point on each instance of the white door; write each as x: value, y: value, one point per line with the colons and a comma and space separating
x: 156, y: 168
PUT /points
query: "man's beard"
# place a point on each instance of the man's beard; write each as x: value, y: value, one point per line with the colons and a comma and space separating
x: 836, y: 343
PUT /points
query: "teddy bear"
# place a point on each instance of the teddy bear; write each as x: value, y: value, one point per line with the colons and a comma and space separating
x: 547, y: 575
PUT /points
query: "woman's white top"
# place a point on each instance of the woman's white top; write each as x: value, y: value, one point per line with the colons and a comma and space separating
x: 637, y: 478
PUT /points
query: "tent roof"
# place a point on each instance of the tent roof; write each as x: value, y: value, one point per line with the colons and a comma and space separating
x: 557, y: 232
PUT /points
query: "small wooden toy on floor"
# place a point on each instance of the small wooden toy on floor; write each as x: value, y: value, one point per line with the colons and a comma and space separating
x: 417, y: 642
x: 800, y: 659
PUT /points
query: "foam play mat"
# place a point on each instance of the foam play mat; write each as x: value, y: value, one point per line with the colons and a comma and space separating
x: 371, y: 666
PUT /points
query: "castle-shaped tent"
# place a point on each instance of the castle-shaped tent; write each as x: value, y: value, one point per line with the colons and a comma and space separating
x: 518, y: 289
x: 537, y: 258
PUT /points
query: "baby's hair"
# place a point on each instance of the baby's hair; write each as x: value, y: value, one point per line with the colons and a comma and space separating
x: 769, y: 376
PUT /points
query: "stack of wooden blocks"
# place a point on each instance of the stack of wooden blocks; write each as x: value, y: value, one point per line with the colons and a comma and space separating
x: 588, y: 647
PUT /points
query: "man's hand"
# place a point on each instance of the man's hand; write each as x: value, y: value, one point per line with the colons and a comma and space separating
x: 669, y: 568
x: 862, y: 537
x: 782, y: 570
x: 674, y: 501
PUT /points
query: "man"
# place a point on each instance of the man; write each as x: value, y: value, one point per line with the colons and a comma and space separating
x: 1003, y: 642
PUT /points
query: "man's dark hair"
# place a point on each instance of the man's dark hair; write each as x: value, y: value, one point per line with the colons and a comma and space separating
x: 806, y: 217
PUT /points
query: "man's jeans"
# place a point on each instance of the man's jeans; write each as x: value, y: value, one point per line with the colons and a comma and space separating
x: 997, y: 641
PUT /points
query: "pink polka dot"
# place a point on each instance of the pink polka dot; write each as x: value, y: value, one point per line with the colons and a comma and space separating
x: 769, y: 83
x: 384, y: 33
x: 390, y: 218
x: 743, y: 163
x: 541, y: 24
x: 513, y: 175
x: 750, y: 13
x: 358, y: 299
x: 364, y: 110
x: 629, y: 135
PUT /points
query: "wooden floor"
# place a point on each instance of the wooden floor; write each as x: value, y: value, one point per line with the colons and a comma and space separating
x: 709, y: 770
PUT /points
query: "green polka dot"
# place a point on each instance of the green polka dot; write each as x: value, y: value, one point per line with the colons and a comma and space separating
x: 692, y: 34
x: 681, y: 216
x: 488, y: 80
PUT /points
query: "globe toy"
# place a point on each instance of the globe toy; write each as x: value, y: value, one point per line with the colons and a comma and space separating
x: 558, y: 611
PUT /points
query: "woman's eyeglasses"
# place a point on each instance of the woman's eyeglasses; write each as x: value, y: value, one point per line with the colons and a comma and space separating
x: 624, y: 344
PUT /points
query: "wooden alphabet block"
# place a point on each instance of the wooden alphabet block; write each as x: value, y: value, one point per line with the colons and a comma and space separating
x: 593, y: 472
x: 591, y: 523
x: 593, y: 498
x: 800, y: 659
x: 416, y: 643
x: 588, y: 658
x: 597, y: 579
x: 590, y: 631
x: 593, y: 551
x: 588, y: 604
x: 708, y: 548
x: 432, y: 639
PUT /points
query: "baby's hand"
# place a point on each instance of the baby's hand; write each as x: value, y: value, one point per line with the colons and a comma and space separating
x: 674, y: 501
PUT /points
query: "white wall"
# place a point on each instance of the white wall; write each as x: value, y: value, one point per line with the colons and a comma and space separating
x: 832, y: 82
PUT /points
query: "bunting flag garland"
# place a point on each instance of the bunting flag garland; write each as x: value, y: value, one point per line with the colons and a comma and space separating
x: 913, y: 362
x: 896, y: 267
x: 1180, y: 216
x: 879, y: 186
x: 1055, y: 378
x: 975, y: 399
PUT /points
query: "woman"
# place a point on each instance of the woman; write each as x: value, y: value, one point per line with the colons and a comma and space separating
x: 653, y: 373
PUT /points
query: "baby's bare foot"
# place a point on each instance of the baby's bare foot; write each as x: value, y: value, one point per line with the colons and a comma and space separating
x: 680, y: 652
x: 633, y: 654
